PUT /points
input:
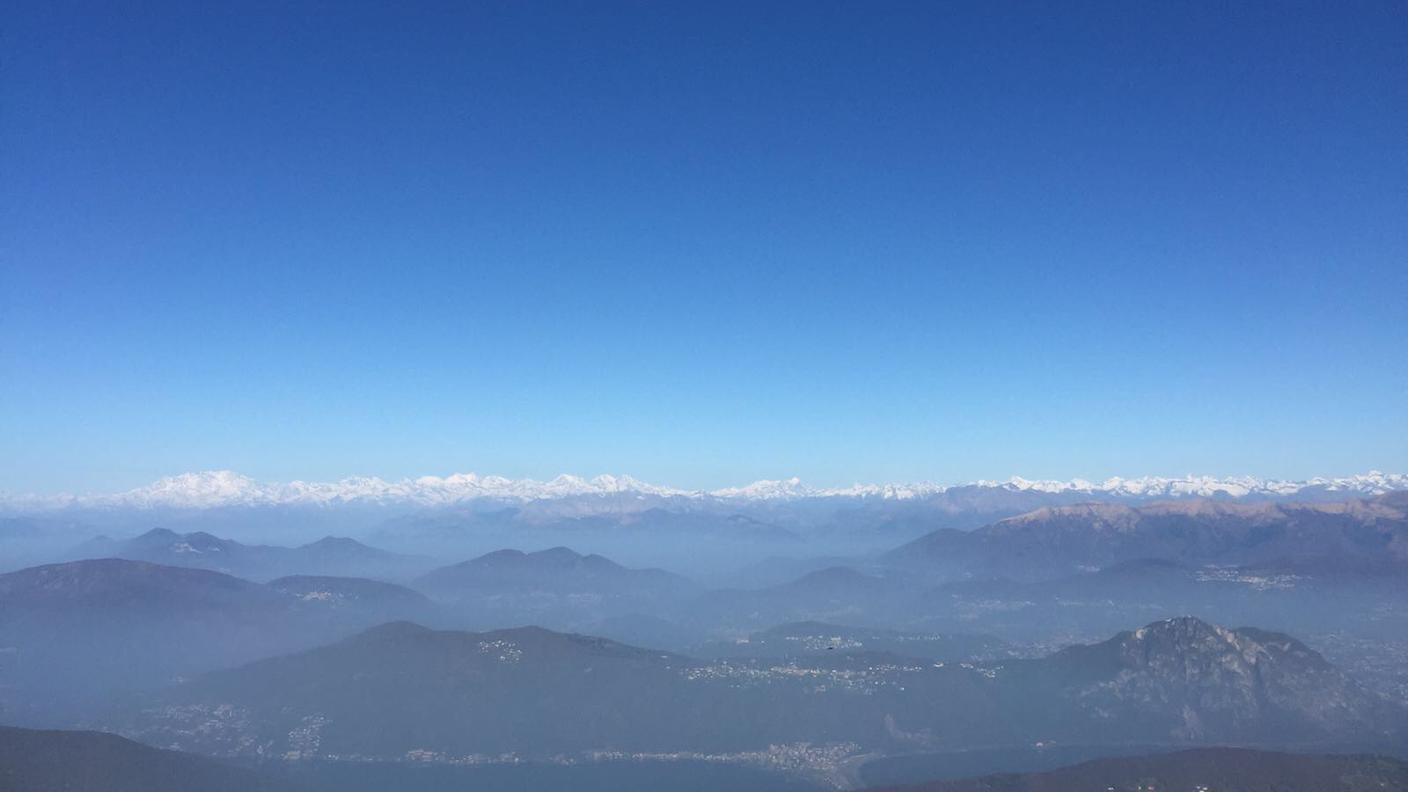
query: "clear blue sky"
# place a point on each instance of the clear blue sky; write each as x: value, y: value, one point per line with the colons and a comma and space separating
x: 856, y: 241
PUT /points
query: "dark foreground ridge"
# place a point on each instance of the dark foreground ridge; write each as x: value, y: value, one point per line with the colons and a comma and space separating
x: 82, y: 761
x: 1212, y: 769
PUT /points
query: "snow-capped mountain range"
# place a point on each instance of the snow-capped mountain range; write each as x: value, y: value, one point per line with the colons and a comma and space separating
x: 224, y: 488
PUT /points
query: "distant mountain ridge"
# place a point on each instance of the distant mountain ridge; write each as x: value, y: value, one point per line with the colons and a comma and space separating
x: 1356, y: 535
x: 556, y: 588
x: 557, y: 568
x: 330, y: 555
x: 224, y: 488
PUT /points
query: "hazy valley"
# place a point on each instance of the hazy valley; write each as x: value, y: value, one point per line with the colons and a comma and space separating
x: 1067, y: 632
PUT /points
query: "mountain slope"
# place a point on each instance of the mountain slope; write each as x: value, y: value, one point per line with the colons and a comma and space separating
x: 401, y: 687
x: 556, y: 587
x: 1230, y: 683
x: 839, y: 594
x: 340, y: 591
x: 353, y: 601
x: 74, y: 635
x: 68, y: 761
x: 555, y: 568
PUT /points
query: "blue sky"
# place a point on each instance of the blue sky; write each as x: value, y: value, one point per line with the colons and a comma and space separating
x: 846, y: 241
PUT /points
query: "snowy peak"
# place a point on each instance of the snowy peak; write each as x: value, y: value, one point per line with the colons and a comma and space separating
x: 198, y: 489
x: 1371, y: 483
x: 225, y: 488
x: 768, y: 490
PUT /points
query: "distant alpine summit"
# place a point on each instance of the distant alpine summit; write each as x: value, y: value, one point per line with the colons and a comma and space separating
x: 224, y: 488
